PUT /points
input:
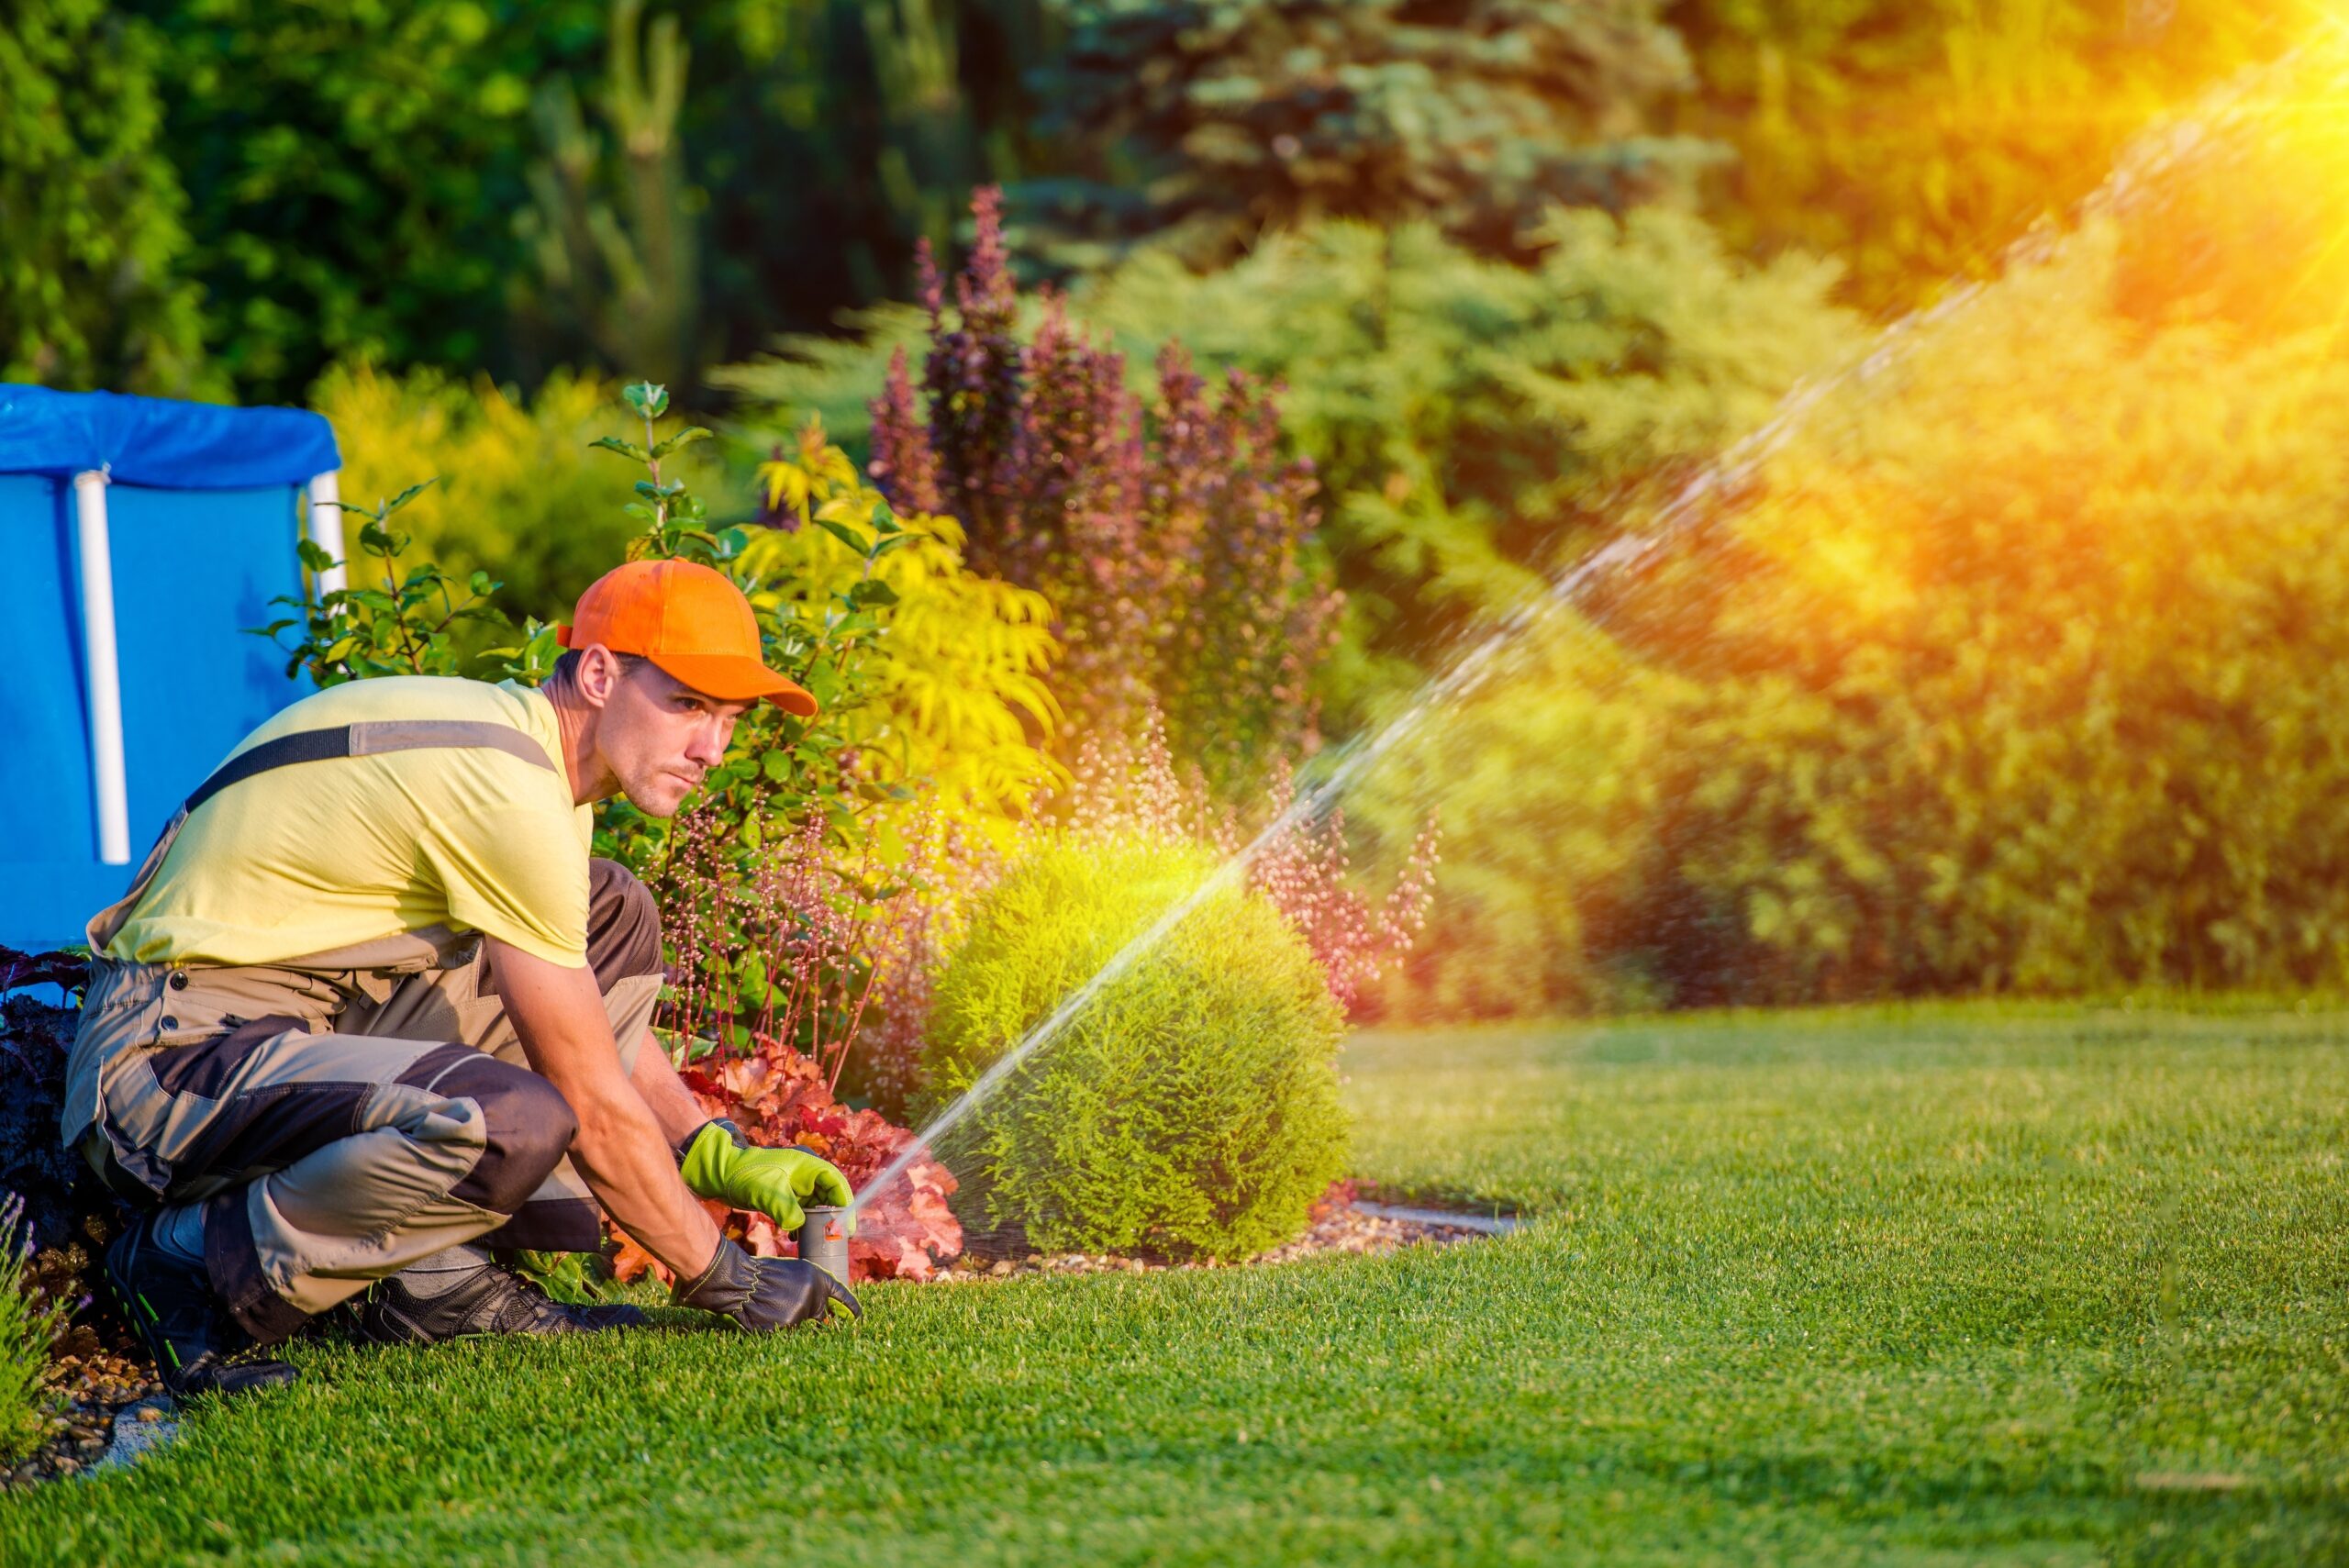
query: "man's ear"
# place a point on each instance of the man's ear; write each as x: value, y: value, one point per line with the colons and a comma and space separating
x: 598, y: 674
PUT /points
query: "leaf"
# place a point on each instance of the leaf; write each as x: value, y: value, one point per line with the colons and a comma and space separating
x: 751, y: 984
x: 873, y: 592
x: 313, y: 556
x: 884, y: 520
x: 886, y: 545
x: 625, y: 449
x: 684, y: 438
x: 633, y: 1261
x: 650, y: 399
x: 404, y: 497
x: 842, y: 533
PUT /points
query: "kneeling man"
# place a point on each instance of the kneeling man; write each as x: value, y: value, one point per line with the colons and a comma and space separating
x: 370, y: 1010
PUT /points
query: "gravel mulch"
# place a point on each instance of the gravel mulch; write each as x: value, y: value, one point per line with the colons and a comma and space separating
x: 95, y: 1385
x: 1339, y: 1226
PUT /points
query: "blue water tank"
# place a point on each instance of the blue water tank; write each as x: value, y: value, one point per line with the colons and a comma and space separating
x: 201, y: 515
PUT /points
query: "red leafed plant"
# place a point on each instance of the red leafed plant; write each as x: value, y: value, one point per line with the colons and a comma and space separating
x: 777, y: 954
x: 778, y: 1096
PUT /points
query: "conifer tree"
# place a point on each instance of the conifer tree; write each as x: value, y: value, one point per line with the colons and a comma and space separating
x: 1215, y: 121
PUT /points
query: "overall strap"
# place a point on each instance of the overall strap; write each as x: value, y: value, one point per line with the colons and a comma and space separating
x: 368, y: 739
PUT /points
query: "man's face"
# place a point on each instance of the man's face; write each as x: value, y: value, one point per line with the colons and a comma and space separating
x: 659, y: 737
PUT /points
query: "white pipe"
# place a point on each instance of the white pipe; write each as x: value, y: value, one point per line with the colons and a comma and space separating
x: 325, y: 527
x: 102, y: 656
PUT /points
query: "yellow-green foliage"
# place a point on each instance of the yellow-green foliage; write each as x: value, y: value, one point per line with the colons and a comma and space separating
x: 2020, y: 667
x: 960, y: 671
x: 518, y: 492
x: 1191, y: 1109
x: 1913, y: 138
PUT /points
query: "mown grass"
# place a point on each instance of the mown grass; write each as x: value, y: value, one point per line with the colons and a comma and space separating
x: 1970, y: 1285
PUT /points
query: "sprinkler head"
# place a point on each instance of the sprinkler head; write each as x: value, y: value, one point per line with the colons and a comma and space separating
x: 822, y: 1240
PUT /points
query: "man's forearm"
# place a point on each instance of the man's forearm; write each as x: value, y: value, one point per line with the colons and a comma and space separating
x: 665, y: 1096
x: 620, y: 1148
x: 626, y: 1159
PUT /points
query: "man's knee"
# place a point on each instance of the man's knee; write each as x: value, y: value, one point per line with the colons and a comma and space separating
x: 530, y: 1128
x: 623, y: 925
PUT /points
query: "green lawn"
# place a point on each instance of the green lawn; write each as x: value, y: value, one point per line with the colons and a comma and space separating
x: 2061, y: 1285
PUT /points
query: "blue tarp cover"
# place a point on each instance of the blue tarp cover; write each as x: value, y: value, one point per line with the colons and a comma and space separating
x: 203, y: 524
x: 170, y: 446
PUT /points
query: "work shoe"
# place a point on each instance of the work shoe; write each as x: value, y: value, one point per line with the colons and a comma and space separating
x: 171, y: 1306
x: 462, y: 1292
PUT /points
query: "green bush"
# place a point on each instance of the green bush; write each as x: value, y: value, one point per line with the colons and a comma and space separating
x: 91, y: 207
x: 231, y: 196
x: 28, y: 1325
x: 1191, y: 1109
x: 518, y: 491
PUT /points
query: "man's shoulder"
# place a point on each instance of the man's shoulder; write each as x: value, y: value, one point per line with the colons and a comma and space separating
x: 405, y: 697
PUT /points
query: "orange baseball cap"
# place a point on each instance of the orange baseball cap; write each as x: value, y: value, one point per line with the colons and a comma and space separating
x: 689, y: 619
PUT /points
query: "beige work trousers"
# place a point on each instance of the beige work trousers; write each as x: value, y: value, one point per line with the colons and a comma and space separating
x: 344, y: 1116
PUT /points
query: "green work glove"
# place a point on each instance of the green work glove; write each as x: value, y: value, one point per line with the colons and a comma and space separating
x: 720, y: 1164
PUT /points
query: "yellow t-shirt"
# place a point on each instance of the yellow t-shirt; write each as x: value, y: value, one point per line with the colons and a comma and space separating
x: 314, y: 857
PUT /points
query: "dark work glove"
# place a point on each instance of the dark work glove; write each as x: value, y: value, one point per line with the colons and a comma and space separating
x: 764, y: 1294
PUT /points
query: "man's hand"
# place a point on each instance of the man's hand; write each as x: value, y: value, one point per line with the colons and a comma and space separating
x: 764, y: 1294
x: 721, y: 1163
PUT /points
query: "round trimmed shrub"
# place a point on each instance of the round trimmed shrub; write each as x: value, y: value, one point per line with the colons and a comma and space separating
x: 1190, y: 1110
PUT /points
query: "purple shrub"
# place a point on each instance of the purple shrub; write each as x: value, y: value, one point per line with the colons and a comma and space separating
x: 1175, y: 540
